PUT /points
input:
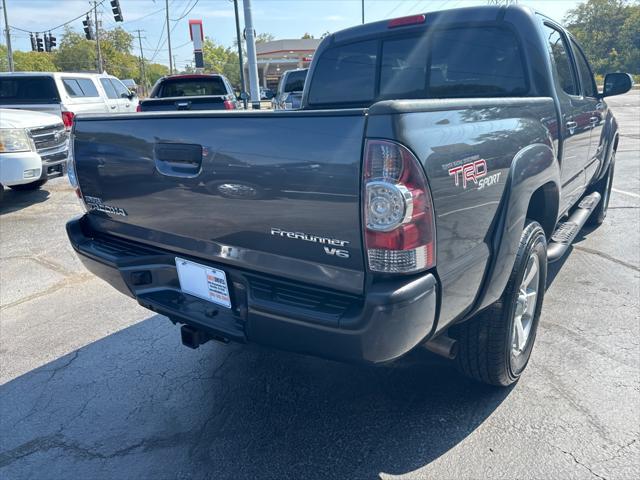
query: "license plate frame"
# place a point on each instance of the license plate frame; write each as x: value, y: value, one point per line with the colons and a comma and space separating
x: 203, y: 281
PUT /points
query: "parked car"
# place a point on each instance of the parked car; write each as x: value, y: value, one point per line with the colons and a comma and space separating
x: 65, y: 94
x: 289, y: 94
x: 472, y: 146
x: 33, y: 148
x: 191, y: 92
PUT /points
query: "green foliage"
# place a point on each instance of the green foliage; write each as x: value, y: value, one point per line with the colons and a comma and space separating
x: 307, y: 35
x: 609, y: 32
x: 154, y: 71
x: 28, y: 61
x: 219, y: 59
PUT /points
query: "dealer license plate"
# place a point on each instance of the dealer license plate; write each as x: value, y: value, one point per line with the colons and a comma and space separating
x: 204, y: 282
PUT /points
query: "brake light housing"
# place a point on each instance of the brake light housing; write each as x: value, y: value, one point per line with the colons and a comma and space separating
x: 404, y: 21
x: 229, y: 105
x: 67, y: 119
x: 399, y: 220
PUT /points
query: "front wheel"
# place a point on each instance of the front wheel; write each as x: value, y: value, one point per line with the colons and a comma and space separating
x: 495, y: 346
x: 29, y: 186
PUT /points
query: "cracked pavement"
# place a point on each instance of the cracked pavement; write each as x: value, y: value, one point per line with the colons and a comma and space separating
x: 94, y: 386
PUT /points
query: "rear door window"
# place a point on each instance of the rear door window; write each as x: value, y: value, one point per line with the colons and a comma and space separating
x: 80, y: 87
x: 345, y: 74
x: 16, y: 90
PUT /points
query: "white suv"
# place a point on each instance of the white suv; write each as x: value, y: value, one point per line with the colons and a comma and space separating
x: 65, y: 94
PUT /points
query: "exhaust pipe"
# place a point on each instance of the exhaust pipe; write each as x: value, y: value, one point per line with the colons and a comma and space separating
x: 444, y: 346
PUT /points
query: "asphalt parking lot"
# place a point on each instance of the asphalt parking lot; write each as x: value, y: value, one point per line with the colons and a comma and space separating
x: 93, y: 386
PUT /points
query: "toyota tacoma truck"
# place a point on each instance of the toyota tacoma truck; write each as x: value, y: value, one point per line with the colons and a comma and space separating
x: 438, y: 163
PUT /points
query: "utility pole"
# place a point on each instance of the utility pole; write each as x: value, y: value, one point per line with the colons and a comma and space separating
x: 166, y: 6
x: 363, y: 12
x: 95, y: 12
x: 252, y: 61
x: 8, y: 34
x: 243, y: 90
x: 143, y: 75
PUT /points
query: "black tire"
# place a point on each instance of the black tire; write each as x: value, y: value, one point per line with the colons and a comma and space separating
x: 603, y: 187
x: 29, y: 186
x: 1, y: 192
x: 486, y: 342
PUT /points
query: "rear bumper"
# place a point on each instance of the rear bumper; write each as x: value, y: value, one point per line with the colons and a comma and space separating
x: 388, y: 321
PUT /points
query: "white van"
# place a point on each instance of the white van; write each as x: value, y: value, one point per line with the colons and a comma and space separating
x: 65, y: 94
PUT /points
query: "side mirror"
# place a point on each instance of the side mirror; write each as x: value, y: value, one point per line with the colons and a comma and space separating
x: 617, y: 84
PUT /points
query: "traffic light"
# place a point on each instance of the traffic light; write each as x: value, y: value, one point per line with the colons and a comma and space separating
x: 34, y: 45
x: 117, y: 11
x: 87, y: 25
x: 47, y: 46
x: 52, y: 42
x: 39, y: 45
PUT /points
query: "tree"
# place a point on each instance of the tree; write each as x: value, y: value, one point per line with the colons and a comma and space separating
x: 34, y: 62
x: 608, y: 32
x: 75, y: 53
x: 155, y: 71
x: 306, y: 36
x: 220, y: 59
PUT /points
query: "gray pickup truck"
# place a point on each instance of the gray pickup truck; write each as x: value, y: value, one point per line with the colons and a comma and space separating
x: 438, y: 163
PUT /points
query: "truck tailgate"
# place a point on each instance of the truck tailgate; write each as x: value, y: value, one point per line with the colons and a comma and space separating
x: 208, y: 102
x: 276, y: 192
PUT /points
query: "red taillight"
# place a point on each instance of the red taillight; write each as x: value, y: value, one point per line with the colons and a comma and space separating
x: 138, y: 108
x: 229, y: 105
x: 67, y: 119
x: 398, y: 211
x: 403, y: 21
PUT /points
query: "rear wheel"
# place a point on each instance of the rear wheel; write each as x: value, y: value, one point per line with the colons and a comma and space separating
x: 29, y: 186
x: 495, y: 346
x: 603, y: 187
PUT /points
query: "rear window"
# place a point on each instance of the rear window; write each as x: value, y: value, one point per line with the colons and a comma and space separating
x: 28, y: 90
x: 192, y: 87
x: 80, y: 87
x: 295, y: 81
x: 450, y: 63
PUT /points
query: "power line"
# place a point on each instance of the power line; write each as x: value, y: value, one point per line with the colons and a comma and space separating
x: 58, y: 26
x: 184, y: 14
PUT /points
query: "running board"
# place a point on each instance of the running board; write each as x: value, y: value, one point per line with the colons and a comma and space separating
x: 566, y: 231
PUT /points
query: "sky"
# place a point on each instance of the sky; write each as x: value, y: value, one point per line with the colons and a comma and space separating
x: 281, y: 18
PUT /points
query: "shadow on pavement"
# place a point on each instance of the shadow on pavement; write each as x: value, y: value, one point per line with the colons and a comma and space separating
x: 13, y: 200
x: 137, y: 404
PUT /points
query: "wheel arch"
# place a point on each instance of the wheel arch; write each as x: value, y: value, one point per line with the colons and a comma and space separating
x: 533, y: 189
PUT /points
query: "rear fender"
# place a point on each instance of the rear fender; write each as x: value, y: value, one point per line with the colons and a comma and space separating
x: 533, y: 167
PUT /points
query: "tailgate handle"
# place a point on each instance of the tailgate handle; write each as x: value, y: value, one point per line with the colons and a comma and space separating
x: 178, y: 159
x: 183, y: 105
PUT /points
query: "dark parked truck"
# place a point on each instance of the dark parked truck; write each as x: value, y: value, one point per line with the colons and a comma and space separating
x: 438, y: 163
x: 190, y: 92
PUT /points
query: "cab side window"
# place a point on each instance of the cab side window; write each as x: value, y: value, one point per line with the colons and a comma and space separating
x: 560, y: 57
x: 108, y: 88
x: 588, y: 83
